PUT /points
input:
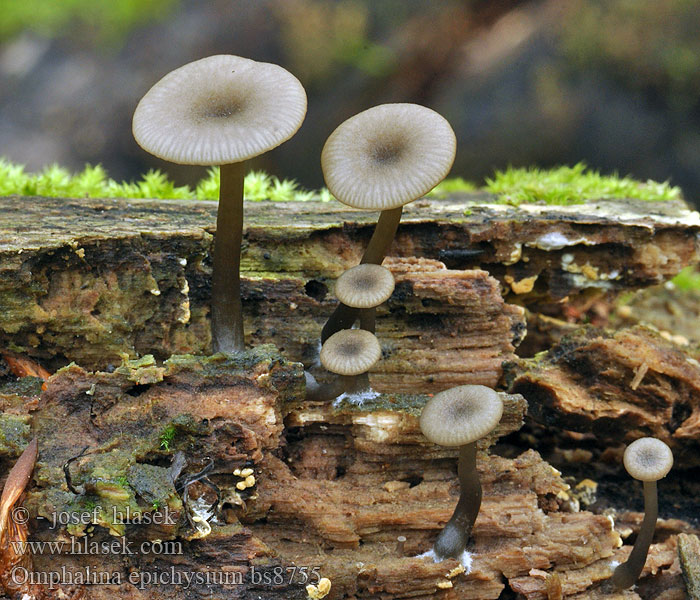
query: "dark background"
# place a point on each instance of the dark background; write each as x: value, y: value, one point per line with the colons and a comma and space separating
x: 614, y: 83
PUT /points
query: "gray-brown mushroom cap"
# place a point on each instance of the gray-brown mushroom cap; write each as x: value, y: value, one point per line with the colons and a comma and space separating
x: 388, y: 155
x: 648, y: 459
x: 364, y: 286
x: 461, y: 415
x: 219, y: 110
x: 350, y: 352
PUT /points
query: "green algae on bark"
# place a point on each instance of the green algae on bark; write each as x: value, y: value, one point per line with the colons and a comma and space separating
x: 15, y: 434
x: 689, y: 555
x: 218, y: 406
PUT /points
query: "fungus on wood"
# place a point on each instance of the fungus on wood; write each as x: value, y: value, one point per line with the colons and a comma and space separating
x: 381, y: 159
x: 221, y: 110
x: 349, y: 354
x: 365, y: 287
x: 648, y: 460
x: 459, y: 417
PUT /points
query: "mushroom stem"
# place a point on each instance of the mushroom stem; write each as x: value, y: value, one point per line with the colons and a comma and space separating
x: 322, y: 392
x: 344, y: 316
x: 382, y: 237
x: 453, y: 539
x: 226, y: 310
x: 340, y: 384
x: 627, y: 573
x: 368, y: 318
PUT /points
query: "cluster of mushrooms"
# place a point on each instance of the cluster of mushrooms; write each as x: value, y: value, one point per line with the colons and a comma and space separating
x: 224, y: 110
x: 460, y: 416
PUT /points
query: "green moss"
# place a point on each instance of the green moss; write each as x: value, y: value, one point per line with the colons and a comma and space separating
x: 559, y: 186
x: 93, y: 182
x: 687, y: 280
x: 154, y: 486
x: 572, y: 185
x: 103, y: 21
x: 451, y: 186
x: 166, y: 437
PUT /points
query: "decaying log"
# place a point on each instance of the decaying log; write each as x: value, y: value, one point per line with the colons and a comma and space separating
x: 332, y: 490
x: 87, y: 279
x: 233, y: 486
x: 619, y: 385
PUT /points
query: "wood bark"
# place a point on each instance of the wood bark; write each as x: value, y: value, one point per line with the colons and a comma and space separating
x: 618, y: 385
x: 88, y: 279
x: 333, y: 489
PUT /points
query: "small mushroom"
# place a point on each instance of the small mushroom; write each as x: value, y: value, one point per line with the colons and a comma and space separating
x: 221, y: 110
x: 647, y: 459
x: 365, y: 287
x: 349, y: 353
x: 381, y: 159
x: 459, y: 417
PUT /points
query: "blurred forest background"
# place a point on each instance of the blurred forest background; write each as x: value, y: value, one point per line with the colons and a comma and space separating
x: 614, y: 83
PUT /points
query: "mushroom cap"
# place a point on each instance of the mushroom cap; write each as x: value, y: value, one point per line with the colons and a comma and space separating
x: 461, y: 415
x: 648, y: 459
x: 350, y: 352
x: 364, y: 286
x: 388, y: 155
x: 219, y: 110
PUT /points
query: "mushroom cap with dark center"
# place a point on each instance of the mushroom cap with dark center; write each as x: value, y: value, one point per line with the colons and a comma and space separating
x: 388, y: 155
x: 364, y: 286
x: 219, y: 110
x: 461, y: 415
x: 648, y: 459
x: 350, y: 352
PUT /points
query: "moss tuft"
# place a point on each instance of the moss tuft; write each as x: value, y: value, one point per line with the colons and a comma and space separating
x: 559, y: 186
x: 93, y: 182
x: 166, y: 437
x: 572, y: 185
x: 687, y: 280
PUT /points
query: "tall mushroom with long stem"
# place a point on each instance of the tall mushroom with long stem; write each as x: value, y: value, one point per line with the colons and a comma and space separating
x: 647, y: 459
x: 221, y: 110
x: 459, y: 417
x: 382, y: 159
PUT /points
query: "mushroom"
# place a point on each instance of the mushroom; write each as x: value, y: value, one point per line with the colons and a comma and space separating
x: 365, y: 287
x: 459, y: 417
x: 381, y: 159
x: 221, y: 110
x: 349, y: 353
x: 647, y: 459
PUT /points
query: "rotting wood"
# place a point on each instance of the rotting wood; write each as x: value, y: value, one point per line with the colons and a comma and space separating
x: 333, y: 488
x: 584, y: 383
x: 330, y: 488
x: 87, y: 279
